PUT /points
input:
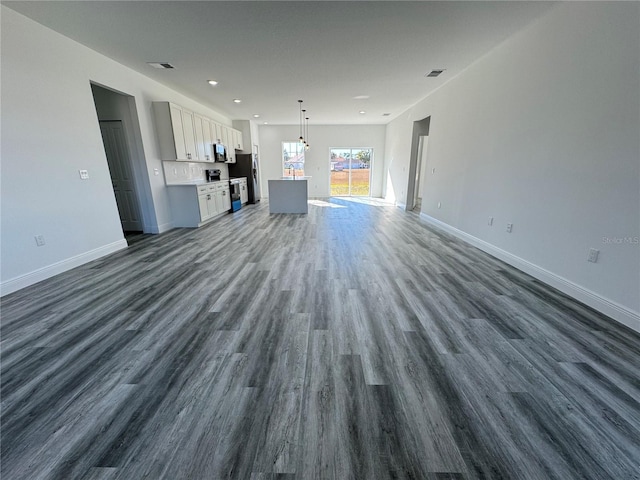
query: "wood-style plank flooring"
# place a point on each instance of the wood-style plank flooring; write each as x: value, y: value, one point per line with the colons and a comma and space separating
x: 355, y: 342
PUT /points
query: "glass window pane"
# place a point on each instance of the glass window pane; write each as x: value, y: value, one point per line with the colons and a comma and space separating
x: 292, y: 159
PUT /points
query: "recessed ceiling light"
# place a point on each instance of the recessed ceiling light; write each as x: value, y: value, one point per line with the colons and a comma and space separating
x: 237, y: 100
x: 386, y: 114
x: 266, y: 123
x: 362, y: 112
x: 160, y: 65
x: 213, y: 82
x: 361, y: 97
x: 256, y: 115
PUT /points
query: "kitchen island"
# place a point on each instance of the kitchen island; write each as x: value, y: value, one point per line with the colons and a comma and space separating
x: 288, y: 195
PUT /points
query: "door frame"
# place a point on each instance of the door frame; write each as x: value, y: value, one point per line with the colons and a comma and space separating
x: 420, y: 128
x: 421, y: 169
x: 137, y: 158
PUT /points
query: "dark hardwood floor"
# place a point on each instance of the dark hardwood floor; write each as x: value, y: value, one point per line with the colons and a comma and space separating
x: 354, y: 342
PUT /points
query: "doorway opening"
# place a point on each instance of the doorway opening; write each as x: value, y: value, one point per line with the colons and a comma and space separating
x: 417, y: 164
x: 117, y: 119
x: 351, y: 172
x: 421, y: 173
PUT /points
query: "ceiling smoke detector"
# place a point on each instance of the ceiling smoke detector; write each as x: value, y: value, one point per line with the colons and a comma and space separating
x: 161, y: 65
x: 434, y: 73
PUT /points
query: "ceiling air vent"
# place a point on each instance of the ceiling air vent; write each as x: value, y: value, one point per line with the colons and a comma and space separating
x: 434, y: 73
x: 161, y: 65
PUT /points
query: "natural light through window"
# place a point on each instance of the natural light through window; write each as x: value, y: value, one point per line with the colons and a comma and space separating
x: 292, y: 159
x: 351, y: 171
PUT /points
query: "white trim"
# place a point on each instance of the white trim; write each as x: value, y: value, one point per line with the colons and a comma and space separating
x: 165, y: 227
x: 10, y: 286
x: 403, y: 206
x: 608, y: 307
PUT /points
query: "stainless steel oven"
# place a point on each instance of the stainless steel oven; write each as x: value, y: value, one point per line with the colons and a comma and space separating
x: 234, y: 186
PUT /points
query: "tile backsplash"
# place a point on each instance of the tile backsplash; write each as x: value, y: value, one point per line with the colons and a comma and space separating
x: 184, y: 172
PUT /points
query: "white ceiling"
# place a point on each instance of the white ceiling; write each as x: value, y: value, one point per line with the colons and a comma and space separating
x: 270, y: 54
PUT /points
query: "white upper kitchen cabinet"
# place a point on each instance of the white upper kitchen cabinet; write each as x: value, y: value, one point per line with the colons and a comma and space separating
x: 203, y: 138
x: 217, y: 132
x: 226, y: 137
x: 176, y: 132
x: 199, y: 137
x: 237, y: 139
x: 208, y: 139
x: 189, y: 128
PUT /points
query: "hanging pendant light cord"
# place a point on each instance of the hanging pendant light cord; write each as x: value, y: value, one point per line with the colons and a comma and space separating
x: 301, y: 139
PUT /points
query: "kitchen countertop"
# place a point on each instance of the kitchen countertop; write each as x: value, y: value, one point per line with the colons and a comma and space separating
x: 197, y: 183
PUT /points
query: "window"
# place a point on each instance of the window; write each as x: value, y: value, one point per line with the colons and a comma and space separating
x: 292, y: 159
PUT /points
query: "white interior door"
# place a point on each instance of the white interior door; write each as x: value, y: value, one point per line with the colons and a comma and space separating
x: 115, y: 147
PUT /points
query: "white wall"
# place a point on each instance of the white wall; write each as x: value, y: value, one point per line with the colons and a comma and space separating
x: 543, y: 132
x: 49, y: 131
x: 321, y: 138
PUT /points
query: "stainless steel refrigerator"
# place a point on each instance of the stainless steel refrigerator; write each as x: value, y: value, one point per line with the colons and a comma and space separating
x: 247, y: 166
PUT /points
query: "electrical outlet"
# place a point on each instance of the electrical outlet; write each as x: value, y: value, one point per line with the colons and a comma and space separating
x: 156, y: 172
x: 40, y: 240
x: 84, y: 174
x: 593, y: 255
x: 509, y: 227
x: 490, y: 222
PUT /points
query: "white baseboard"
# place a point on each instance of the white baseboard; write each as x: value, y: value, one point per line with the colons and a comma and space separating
x: 608, y: 307
x: 49, y: 271
x: 165, y: 227
x: 403, y: 206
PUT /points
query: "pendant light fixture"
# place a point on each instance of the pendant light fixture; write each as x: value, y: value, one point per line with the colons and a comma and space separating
x: 306, y: 134
x: 304, y: 130
x: 301, y: 139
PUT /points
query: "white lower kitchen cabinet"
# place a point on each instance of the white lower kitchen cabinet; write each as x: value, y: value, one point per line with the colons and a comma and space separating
x: 244, y: 191
x: 193, y: 205
x: 223, y: 199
